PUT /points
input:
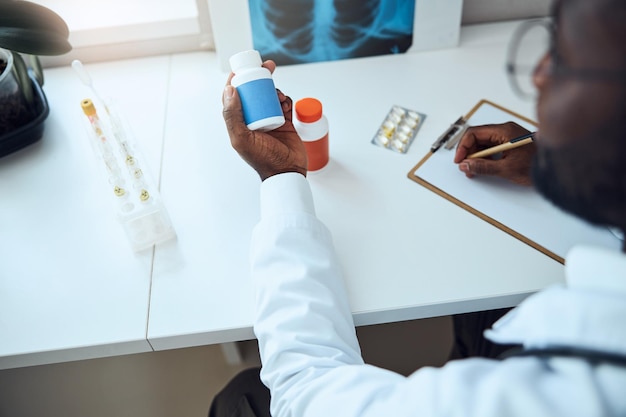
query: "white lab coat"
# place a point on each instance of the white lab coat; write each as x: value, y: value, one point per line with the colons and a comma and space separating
x: 311, y: 359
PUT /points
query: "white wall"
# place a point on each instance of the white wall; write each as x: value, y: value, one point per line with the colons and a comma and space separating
x: 481, y: 11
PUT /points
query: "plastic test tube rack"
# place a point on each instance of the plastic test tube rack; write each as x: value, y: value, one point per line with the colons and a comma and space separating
x: 139, y: 207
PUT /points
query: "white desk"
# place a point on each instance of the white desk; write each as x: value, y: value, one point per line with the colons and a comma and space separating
x: 406, y: 252
x: 70, y: 288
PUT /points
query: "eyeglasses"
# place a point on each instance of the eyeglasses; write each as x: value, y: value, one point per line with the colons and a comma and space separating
x: 530, y: 43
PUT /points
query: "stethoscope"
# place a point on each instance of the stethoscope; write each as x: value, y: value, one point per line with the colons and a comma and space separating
x: 592, y: 356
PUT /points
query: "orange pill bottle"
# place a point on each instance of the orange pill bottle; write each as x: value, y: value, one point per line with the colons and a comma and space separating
x: 312, y: 126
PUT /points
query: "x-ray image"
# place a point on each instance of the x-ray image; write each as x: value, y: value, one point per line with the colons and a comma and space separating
x: 299, y: 31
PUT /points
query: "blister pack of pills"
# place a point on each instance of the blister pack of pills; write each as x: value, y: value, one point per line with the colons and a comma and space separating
x: 398, y: 129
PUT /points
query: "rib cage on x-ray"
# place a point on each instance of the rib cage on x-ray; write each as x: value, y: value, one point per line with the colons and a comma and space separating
x: 295, y: 31
x: 291, y: 23
x: 352, y: 17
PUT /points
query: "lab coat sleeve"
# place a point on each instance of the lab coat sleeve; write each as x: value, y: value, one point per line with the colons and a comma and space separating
x: 303, y: 320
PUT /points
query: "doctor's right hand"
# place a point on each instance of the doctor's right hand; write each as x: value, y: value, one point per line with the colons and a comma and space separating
x: 513, y: 165
x: 269, y: 153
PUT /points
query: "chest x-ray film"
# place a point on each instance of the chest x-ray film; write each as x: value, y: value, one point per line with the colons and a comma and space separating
x: 302, y: 31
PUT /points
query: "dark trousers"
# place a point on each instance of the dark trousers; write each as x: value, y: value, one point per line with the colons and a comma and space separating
x: 469, y: 341
x: 246, y: 396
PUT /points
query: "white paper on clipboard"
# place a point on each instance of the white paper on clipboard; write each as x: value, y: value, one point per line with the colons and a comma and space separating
x: 519, y: 210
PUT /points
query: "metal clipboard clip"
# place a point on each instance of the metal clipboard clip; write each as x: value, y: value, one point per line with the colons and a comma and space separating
x: 451, y: 136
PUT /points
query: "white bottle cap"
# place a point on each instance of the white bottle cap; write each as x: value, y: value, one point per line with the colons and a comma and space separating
x: 245, y: 59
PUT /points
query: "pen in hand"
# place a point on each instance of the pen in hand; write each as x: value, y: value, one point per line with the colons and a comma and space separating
x: 512, y: 144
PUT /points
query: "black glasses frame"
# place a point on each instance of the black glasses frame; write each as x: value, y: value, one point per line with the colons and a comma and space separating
x: 558, y: 68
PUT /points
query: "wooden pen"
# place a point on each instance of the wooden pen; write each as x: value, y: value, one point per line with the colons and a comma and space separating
x: 512, y: 144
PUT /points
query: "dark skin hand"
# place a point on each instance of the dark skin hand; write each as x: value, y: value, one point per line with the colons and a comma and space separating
x: 269, y: 153
x: 514, y: 165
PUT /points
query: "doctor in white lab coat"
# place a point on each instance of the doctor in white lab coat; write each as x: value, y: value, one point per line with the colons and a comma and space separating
x: 573, y: 336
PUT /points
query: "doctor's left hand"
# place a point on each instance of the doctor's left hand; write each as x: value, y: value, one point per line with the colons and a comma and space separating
x: 269, y: 153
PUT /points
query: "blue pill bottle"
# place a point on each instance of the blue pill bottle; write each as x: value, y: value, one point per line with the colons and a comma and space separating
x: 256, y: 90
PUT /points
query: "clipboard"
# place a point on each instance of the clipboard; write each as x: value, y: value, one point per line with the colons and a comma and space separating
x: 517, y: 210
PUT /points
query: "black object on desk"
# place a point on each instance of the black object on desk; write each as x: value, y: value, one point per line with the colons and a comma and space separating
x: 30, y: 132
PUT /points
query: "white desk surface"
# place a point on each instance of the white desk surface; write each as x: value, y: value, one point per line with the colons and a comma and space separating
x: 70, y: 288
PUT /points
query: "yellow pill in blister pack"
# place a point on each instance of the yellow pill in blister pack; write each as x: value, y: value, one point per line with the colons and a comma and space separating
x: 388, y: 129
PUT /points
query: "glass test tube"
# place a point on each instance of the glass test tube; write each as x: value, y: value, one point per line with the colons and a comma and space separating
x: 105, y: 149
x: 132, y: 164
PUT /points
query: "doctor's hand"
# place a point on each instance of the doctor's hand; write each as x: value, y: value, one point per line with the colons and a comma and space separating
x: 269, y: 153
x: 513, y: 164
